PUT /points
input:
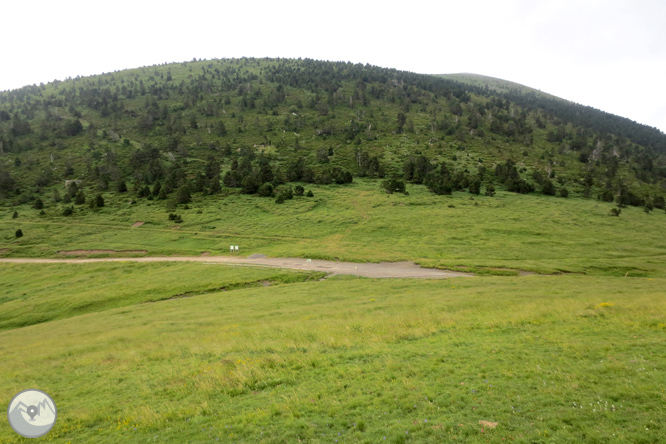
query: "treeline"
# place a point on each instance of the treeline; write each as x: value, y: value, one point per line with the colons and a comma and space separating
x: 142, y: 126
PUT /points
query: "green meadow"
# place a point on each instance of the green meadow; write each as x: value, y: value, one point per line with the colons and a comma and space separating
x: 566, y: 358
x: 359, y: 222
x: 189, y: 352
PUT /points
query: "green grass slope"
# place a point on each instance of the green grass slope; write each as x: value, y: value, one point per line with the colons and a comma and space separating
x: 495, y: 84
x: 549, y: 358
x: 66, y: 290
x: 360, y: 222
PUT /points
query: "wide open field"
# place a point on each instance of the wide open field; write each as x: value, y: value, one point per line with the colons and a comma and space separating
x: 549, y: 358
x: 360, y: 222
x: 188, y: 352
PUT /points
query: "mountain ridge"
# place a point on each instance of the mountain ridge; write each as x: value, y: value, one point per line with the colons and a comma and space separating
x: 311, y: 121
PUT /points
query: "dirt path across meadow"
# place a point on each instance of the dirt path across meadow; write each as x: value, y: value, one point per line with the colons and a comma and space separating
x: 378, y: 270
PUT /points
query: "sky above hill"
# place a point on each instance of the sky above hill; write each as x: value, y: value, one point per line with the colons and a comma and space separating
x: 609, y: 54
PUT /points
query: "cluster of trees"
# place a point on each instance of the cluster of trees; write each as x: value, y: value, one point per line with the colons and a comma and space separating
x: 215, y: 111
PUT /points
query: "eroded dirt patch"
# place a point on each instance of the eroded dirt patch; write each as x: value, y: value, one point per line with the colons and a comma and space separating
x: 4, y: 250
x: 137, y: 224
x: 89, y: 252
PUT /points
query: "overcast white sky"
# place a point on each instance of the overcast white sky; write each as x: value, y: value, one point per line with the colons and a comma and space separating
x: 608, y: 54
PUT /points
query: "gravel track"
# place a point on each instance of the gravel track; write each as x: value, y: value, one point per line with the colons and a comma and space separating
x: 371, y: 270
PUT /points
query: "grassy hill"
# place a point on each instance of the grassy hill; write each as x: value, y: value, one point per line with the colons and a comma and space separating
x: 495, y: 84
x: 558, y: 337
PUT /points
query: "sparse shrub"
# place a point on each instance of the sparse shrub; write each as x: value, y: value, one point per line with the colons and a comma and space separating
x: 121, y: 186
x: 38, y: 205
x: 309, y: 193
x: 564, y: 192
x: 266, y: 190
x: 279, y: 199
x: 15, y: 215
x: 157, y: 188
x: 298, y: 190
x: 19, y: 233
x: 490, y: 190
x: 393, y: 185
x: 475, y: 186
x: 183, y: 195
x: 615, y: 212
x: 80, y: 198
x: 68, y: 211
x: 548, y: 188
x: 99, y: 201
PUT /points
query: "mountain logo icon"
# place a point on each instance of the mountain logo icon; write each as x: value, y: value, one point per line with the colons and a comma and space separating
x: 32, y: 413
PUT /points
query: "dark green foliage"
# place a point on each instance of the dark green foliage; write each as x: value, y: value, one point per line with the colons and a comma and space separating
x: 99, y: 201
x: 298, y: 190
x: 80, y: 198
x: 157, y: 187
x: 266, y: 190
x: 7, y: 183
x: 615, y: 211
x: 564, y: 192
x: 508, y: 173
x: 214, y: 186
x: 309, y: 194
x: 183, y: 195
x: 441, y: 181
x: 659, y: 202
x: 68, y: 211
x: 15, y: 215
x: 121, y: 187
x: 220, y: 129
x: 548, y: 188
x: 170, y: 124
x: 72, y: 127
x: 490, y: 190
x: 607, y: 195
x: 393, y: 185
x: 475, y: 186
x: 19, y: 233
x: 175, y: 218
x: 38, y: 204
x: 279, y: 199
x: 415, y: 169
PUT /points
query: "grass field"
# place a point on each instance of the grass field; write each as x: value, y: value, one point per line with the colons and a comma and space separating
x: 361, y: 223
x: 187, y: 352
x: 549, y: 358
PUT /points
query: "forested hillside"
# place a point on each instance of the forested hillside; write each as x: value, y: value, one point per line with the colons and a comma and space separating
x: 271, y: 126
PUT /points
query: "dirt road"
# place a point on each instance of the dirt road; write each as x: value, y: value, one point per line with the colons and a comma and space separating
x: 379, y: 270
